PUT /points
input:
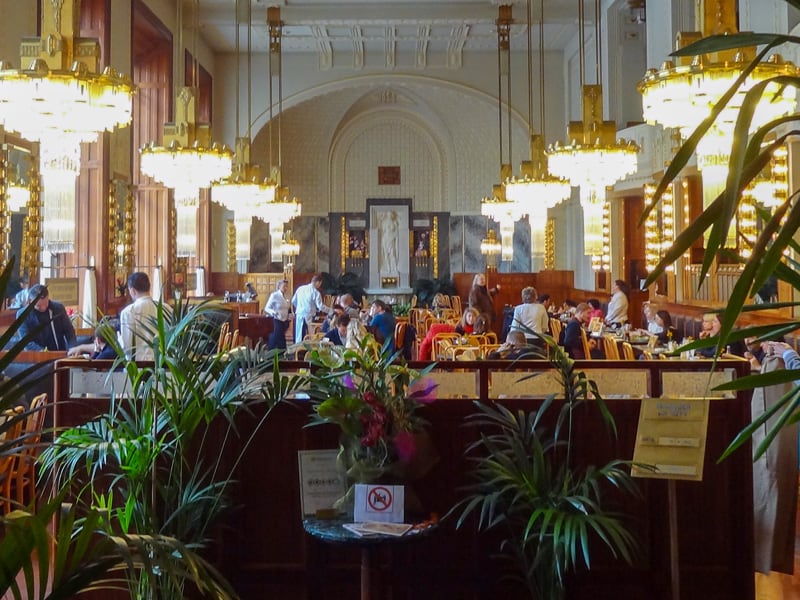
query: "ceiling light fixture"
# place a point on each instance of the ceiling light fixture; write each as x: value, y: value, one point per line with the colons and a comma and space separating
x: 188, y: 159
x: 60, y: 101
x: 536, y: 189
x: 592, y: 159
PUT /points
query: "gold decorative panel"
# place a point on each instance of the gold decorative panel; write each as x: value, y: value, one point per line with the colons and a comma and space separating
x: 454, y: 384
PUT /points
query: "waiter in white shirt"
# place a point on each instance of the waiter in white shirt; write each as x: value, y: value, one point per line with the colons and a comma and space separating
x: 137, y: 321
x: 278, y: 307
x: 307, y: 302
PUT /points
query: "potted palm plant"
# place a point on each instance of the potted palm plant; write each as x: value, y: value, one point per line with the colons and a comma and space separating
x: 525, y: 484
x: 152, y: 464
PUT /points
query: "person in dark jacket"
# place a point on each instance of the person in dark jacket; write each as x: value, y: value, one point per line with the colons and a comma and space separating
x: 480, y: 298
x: 48, y: 322
x: 337, y: 334
x: 99, y: 349
x: 572, y: 339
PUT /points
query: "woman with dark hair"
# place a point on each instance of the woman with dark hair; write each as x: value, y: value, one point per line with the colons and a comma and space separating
x: 617, y: 313
x: 664, y: 320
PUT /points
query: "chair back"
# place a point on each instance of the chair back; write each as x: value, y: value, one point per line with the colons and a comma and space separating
x: 555, y: 329
x: 400, y: 334
x: 223, y: 335
x: 490, y: 337
x: 610, y: 348
x: 455, y: 304
x: 441, y: 341
x: 587, y: 351
x: 627, y: 351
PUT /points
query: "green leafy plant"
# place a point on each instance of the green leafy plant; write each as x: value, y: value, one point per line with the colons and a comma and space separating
x: 374, y: 398
x: 147, y: 461
x: 750, y: 153
x: 525, y: 482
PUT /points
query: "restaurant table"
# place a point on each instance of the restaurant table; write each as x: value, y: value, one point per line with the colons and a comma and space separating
x: 331, y: 531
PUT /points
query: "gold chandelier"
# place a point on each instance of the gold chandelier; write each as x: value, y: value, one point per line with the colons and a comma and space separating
x: 491, y: 248
x: 244, y: 192
x: 593, y: 159
x: 60, y: 102
x: 188, y: 159
x: 536, y: 189
x: 284, y: 207
x: 682, y: 95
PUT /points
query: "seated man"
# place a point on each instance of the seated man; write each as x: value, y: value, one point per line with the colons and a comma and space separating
x: 382, y: 323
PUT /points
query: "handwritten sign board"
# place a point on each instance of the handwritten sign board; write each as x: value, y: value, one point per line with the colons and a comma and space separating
x: 63, y: 290
x: 321, y: 481
x: 671, y: 438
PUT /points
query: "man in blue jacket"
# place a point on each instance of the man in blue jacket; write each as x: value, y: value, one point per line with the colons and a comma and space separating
x: 48, y: 321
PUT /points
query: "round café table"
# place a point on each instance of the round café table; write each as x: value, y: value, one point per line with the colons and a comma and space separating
x: 332, y: 532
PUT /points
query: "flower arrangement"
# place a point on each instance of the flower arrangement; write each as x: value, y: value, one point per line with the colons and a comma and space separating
x: 374, y: 397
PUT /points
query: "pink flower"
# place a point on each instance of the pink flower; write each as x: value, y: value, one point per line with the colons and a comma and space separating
x: 422, y: 390
x: 406, y: 446
x: 347, y: 381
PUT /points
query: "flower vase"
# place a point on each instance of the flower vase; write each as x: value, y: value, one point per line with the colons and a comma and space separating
x: 359, y: 464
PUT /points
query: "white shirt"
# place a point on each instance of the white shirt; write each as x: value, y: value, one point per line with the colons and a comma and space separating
x: 530, y: 316
x: 307, y: 302
x: 617, y: 308
x: 136, y: 325
x: 278, y: 306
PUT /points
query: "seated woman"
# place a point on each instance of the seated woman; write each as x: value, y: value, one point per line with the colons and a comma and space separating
x: 597, y: 310
x: 337, y: 335
x: 711, y: 328
x: 530, y: 317
x: 663, y: 323
x: 466, y: 326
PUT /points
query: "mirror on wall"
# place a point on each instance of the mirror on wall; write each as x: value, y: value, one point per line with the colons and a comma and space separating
x: 20, y: 208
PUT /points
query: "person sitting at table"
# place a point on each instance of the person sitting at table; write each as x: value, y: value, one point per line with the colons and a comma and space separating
x: 250, y: 292
x: 466, y: 326
x: 48, y: 322
x: 382, y: 323
x: 515, y: 347
x: 328, y: 323
x: 571, y: 338
x: 530, y: 317
x: 663, y: 322
x: 349, y: 305
x: 337, y: 335
x: 546, y: 301
x: 20, y: 299
x: 711, y: 328
x: 99, y: 349
x: 596, y: 311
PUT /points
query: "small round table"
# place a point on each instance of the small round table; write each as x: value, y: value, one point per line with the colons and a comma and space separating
x: 331, y: 531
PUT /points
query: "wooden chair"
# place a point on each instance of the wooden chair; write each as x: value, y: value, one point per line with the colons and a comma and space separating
x: 627, y: 351
x: 442, y: 341
x: 21, y: 480
x: 8, y: 455
x: 455, y: 304
x: 610, y: 348
x: 223, y: 335
x: 485, y: 349
x: 449, y: 315
x: 234, y: 339
x: 490, y: 337
x: 399, y: 335
x: 587, y: 351
x: 413, y: 301
x: 556, y: 327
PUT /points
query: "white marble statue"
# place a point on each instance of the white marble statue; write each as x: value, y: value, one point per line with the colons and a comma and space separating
x: 389, y: 231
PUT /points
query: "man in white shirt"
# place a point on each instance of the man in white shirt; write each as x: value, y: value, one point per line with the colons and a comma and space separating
x: 278, y: 308
x: 137, y: 321
x: 307, y: 302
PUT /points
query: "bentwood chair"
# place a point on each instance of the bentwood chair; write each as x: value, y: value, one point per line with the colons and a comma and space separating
x: 9, y: 447
x: 555, y: 329
x: 22, y: 477
x: 587, y: 351
x: 627, y: 351
x: 610, y: 348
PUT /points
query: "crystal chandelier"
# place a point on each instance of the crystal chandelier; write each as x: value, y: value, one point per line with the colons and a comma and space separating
x: 682, y: 95
x: 188, y: 159
x: 498, y: 206
x: 659, y: 227
x: 60, y: 102
x: 593, y: 159
x: 284, y: 207
x: 491, y: 248
x: 536, y: 189
x: 244, y: 192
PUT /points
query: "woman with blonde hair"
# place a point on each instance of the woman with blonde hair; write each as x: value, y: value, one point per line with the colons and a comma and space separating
x: 480, y: 298
x: 466, y: 326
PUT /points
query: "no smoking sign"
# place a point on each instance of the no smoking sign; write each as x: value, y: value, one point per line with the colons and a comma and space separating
x: 382, y: 503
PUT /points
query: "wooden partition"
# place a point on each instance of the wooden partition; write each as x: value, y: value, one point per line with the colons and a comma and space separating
x: 263, y: 550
